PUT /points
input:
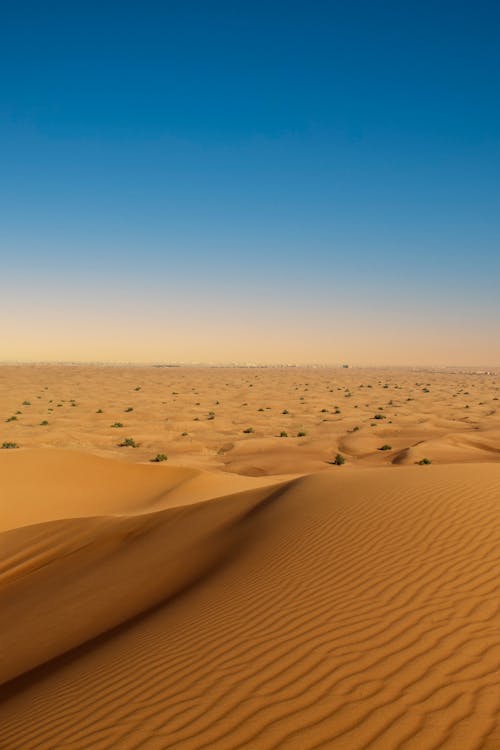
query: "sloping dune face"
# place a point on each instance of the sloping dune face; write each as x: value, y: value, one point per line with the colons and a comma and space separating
x: 346, y: 609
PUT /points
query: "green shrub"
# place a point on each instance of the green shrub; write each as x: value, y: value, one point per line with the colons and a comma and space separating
x: 11, y: 419
x: 248, y: 430
x: 7, y: 445
x: 385, y: 447
x: 283, y: 433
x: 159, y: 458
x: 339, y: 460
x: 117, y: 424
x: 424, y: 461
x: 128, y: 443
x: 26, y: 403
x: 301, y: 433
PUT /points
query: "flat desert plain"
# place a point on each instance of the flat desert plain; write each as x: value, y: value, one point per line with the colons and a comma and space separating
x: 248, y: 591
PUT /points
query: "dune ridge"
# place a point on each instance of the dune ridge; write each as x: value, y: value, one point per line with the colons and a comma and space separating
x: 344, y: 609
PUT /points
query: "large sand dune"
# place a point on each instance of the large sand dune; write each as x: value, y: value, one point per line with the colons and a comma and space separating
x: 246, y: 593
x: 345, y: 609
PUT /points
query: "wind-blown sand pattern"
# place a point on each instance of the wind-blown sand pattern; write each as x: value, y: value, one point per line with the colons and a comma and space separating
x: 254, y: 596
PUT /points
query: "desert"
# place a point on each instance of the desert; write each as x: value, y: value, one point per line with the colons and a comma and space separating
x: 222, y: 579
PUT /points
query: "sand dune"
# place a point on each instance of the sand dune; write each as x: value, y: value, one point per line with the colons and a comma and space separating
x: 350, y: 608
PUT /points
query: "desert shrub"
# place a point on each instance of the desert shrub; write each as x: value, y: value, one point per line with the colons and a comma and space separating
x: 138, y: 388
x: 283, y: 433
x: 129, y: 408
x: 26, y: 403
x: 301, y: 433
x: 248, y: 430
x: 128, y: 443
x: 339, y: 460
x: 44, y: 423
x: 11, y: 419
x: 285, y: 411
x: 424, y: 461
x: 117, y: 424
x: 385, y: 447
x: 159, y: 458
x: 99, y: 411
x: 7, y: 445
x: 379, y: 416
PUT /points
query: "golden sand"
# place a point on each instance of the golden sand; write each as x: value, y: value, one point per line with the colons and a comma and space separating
x: 246, y: 593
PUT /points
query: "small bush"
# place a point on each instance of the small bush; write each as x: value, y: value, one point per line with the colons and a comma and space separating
x: 128, y: 443
x: 285, y: 411
x: 248, y: 430
x: 385, y: 447
x: 9, y: 445
x: 424, y: 462
x: 301, y: 433
x: 44, y: 423
x: 339, y: 460
x: 117, y: 424
x: 99, y: 411
x: 129, y: 408
x: 11, y: 419
x: 283, y: 433
x: 26, y: 403
x: 159, y: 458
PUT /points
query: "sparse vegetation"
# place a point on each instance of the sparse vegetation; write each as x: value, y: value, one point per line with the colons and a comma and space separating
x: 43, y: 423
x: 159, y: 458
x: 385, y: 447
x: 8, y: 445
x: 283, y: 433
x: 117, y: 424
x: 424, y: 462
x: 301, y: 433
x: 129, y: 408
x: 11, y: 419
x: 339, y: 460
x: 248, y: 430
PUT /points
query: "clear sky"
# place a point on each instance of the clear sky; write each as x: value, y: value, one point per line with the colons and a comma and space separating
x: 250, y: 181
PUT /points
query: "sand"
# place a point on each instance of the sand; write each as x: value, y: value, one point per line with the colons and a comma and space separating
x: 246, y: 593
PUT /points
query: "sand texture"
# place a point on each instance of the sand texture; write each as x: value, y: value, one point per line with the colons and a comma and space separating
x: 246, y: 593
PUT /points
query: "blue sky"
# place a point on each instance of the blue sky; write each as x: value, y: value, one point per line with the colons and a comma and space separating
x: 249, y: 179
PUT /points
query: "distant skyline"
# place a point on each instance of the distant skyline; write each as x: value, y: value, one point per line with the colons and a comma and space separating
x: 250, y: 182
